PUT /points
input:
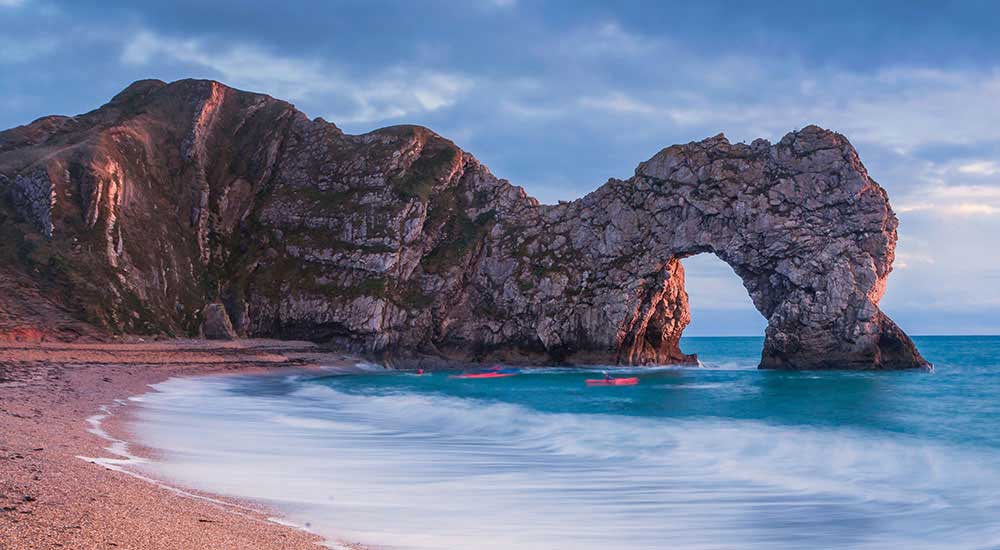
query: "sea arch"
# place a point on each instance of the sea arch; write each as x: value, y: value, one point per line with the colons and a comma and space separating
x: 809, y: 233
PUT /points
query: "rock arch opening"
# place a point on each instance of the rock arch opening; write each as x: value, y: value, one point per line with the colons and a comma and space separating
x: 719, y: 303
x: 720, y: 306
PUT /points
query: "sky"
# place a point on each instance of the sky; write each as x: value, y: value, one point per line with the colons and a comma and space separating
x: 559, y: 96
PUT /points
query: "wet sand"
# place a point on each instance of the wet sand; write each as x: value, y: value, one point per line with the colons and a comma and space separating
x: 51, y: 498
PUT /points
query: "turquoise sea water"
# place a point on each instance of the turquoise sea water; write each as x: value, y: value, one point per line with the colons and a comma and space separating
x: 721, y: 456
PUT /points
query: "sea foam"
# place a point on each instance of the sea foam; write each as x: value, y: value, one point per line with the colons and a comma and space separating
x: 417, y: 470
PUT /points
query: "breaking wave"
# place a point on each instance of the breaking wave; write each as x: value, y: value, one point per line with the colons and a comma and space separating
x: 404, y: 467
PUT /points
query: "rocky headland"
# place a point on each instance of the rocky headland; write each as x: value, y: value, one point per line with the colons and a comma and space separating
x: 193, y: 208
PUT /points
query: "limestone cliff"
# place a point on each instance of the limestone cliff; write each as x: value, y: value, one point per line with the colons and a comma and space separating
x: 399, y: 244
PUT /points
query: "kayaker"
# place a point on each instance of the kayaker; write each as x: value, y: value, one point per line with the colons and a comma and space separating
x: 607, y: 377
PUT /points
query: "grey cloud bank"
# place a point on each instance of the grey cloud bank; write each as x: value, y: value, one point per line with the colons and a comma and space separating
x: 559, y: 96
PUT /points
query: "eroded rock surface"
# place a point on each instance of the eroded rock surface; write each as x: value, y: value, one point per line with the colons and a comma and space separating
x: 217, y: 325
x: 400, y: 244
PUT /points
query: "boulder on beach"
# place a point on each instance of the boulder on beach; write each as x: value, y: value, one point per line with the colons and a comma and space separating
x: 217, y: 325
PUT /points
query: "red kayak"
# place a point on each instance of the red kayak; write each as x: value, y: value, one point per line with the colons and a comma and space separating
x: 613, y: 382
x: 486, y: 375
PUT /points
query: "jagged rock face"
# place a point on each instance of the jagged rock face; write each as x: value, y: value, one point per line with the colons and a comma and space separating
x: 801, y: 223
x: 398, y: 243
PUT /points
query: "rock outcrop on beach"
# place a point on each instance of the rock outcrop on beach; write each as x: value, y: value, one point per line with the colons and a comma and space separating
x: 396, y: 243
x: 217, y: 325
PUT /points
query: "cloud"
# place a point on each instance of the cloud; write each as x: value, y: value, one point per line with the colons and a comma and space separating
x: 981, y: 168
x: 914, y: 207
x: 619, y: 102
x: 897, y: 108
x: 906, y: 259
x: 969, y: 209
x: 955, y: 200
x: 391, y: 93
x: 953, y: 209
x: 924, y: 107
x: 533, y: 110
x: 944, y: 263
x: 609, y: 38
x: 400, y: 92
x: 955, y: 188
x: 629, y: 73
x: 596, y: 41
x: 675, y: 90
x: 579, y: 97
